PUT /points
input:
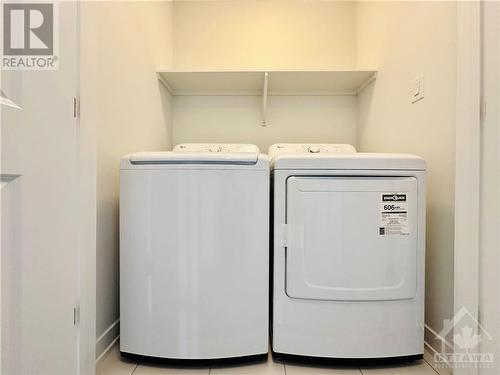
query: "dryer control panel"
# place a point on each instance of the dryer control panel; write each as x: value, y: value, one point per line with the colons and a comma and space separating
x: 216, y: 147
x: 310, y: 148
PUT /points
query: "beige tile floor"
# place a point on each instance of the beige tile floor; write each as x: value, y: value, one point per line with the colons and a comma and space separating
x: 112, y: 364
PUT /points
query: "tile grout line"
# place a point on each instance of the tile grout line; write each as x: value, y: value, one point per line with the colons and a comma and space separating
x: 135, y: 368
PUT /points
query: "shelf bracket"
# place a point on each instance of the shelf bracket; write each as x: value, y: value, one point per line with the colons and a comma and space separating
x: 264, y: 99
x: 165, y: 84
x: 369, y: 80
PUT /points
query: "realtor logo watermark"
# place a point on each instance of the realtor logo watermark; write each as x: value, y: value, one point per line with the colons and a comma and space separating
x: 460, y: 343
x: 30, y: 36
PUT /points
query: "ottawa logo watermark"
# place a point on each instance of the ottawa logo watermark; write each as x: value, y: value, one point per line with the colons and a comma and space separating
x: 30, y: 36
x: 460, y: 343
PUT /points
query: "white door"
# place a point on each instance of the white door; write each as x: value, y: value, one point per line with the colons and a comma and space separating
x: 39, y: 263
x: 350, y: 239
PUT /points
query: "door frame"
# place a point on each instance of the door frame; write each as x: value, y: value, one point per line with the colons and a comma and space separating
x: 467, y: 184
x: 467, y: 162
x: 87, y: 183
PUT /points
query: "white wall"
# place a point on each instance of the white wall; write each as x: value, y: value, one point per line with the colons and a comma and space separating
x: 405, y: 40
x: 253, y: 34
x: 123, y: 45
x: 237, y: 119
x: 256, y: 34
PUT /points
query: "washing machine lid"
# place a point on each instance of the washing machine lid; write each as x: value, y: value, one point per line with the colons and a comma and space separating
x: 216, y: 147
x: 184, y: 158
x: 347, y: 161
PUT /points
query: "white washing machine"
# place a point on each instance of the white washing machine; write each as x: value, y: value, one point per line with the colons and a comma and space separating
x: 194, y: 253
x: 349, y: 247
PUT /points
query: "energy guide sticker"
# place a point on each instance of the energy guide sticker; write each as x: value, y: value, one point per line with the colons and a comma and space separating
x: 394, y: 214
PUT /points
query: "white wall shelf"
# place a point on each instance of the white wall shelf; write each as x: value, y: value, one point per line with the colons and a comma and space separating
x: 310, y: 82
x: 267, y: 83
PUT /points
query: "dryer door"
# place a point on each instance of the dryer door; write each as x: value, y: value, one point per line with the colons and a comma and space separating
x: 351, y: 238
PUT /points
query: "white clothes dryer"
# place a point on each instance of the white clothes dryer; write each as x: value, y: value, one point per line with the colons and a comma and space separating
x: 349, y: 249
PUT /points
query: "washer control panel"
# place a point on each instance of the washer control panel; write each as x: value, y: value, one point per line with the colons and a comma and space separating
x: 220, y: 148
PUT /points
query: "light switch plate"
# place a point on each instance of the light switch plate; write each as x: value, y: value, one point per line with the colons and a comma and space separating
x: 417, y: 92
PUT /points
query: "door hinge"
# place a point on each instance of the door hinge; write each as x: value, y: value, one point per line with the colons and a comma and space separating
x: 76, y: 315
x: 76, y: 107
x: 482, y: 111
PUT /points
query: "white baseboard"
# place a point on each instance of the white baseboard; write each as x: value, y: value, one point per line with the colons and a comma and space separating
x: 106, y: 340
x: 430, y: 351
x: 429, y: 358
